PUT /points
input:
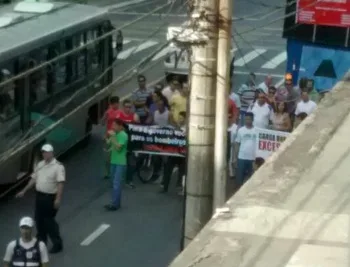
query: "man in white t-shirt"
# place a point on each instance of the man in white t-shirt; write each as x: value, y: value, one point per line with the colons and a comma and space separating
x: 305, y: 105
x: 27, y: 250
x: 161, y: 115
x: 171, y: 89
x: 245, y: 142
x: 261, y: 111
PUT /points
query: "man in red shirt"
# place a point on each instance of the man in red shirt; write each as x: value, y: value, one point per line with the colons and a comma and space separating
x: 232, y: 112
x: 128, y: 116
x: 112, y: 112
x: 109, y: 117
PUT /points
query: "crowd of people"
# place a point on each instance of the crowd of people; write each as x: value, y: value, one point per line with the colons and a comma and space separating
x: 263, y: 106
x: 253, y: 106
x: 161, y: 106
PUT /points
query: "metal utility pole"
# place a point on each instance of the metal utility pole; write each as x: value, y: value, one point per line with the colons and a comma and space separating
x: 222, y: 94
x: 199, y: 182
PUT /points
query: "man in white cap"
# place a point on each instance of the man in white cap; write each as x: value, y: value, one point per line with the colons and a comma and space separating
x: 27, y: 250
x: 48, y: 178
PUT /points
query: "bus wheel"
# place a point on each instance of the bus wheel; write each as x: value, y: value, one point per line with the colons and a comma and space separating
x: 88, y: 130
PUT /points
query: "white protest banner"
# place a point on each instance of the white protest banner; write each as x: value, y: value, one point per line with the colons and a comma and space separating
x: 268, y: 141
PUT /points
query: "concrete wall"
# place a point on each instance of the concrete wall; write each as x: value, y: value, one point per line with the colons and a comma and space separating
x: 309, y: 156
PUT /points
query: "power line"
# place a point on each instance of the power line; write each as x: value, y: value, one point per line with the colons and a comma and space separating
x: 250, y: 44
x: 130, y: 72
x: 66, y: 102
x: 83, y: 47
x: 61, y: 105
x: 278, y: 19
x: 262, y: 4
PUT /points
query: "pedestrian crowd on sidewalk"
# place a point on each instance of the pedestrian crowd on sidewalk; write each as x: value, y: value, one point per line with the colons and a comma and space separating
x: 263, y: 106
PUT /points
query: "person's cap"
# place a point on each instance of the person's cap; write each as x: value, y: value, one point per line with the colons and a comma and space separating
x: 47, y: 148
x: 26, y: 221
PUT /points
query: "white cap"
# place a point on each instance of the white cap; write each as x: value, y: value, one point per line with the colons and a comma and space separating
x: 47, y: 148
x: 26, y: 221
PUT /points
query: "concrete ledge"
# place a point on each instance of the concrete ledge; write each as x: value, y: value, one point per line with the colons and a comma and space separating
x: 272, y: 191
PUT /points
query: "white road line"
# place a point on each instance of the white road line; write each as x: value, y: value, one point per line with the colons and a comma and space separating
x: 279, y: 83
x: 287, y: 224
x: 272, y: 29
x: 320, y: 256
x: 259, y: 74
x: 162, y: 53
x: 249, y: 57
x: 124, y: 4
x: 135, y: 49
x: 95, y: 234
x: 277, y: 60
x: 124, y: 42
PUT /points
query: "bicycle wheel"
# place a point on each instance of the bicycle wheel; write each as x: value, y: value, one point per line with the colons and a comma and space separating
x: 145, y: 169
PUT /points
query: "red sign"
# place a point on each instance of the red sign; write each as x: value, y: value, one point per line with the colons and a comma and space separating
x: 324, y: 12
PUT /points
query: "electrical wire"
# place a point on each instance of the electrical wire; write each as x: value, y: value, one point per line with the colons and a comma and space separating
x: 63, y: 104
x: 158, y: 28
x: 28, y: 175
x: 66, y: 102
x: 107, y: 89
x: 249, y: 44
x: 131, y: 72
x: 262, y: 4
x: 277, y: 20
x: 80, y: 48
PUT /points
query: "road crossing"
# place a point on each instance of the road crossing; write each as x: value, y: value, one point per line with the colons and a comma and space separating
x: 254, y: 59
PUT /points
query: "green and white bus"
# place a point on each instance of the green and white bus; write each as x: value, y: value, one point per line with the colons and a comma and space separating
x: 32, y: 33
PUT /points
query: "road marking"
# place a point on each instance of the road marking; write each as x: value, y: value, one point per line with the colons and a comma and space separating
x: 279, y: 83
x: 274, y: 62
x: 287, y: 224
x: 320, y: 256
x: 272, y: 29
x: 276, y: 75
x: 124, y: 42
x: 162, y: 53
x: 249, y: 57
x: 135, y: 49
x: 95, y: 234
x: 125, y: 3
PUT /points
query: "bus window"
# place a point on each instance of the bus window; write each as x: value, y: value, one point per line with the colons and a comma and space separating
x: 93, y: 53
x: 7, y: 96
x: 78, y: 68
x: 60, y: 67
x: 38, y: 79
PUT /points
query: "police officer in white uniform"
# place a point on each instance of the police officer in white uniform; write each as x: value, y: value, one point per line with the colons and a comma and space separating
x: 48, y: 178
x: 27, y: 250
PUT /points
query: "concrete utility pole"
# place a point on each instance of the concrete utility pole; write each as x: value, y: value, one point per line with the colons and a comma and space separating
x: 199, y: 182
x: 222, y: 94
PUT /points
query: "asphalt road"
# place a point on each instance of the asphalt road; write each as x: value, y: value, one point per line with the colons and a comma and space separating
x: 257, y: 34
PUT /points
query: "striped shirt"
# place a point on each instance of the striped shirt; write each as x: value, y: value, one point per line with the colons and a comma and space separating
x: 141, y: 96
x: 247, y: 95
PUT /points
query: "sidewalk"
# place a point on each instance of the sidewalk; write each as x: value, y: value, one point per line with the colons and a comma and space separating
x: 294, y: 211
